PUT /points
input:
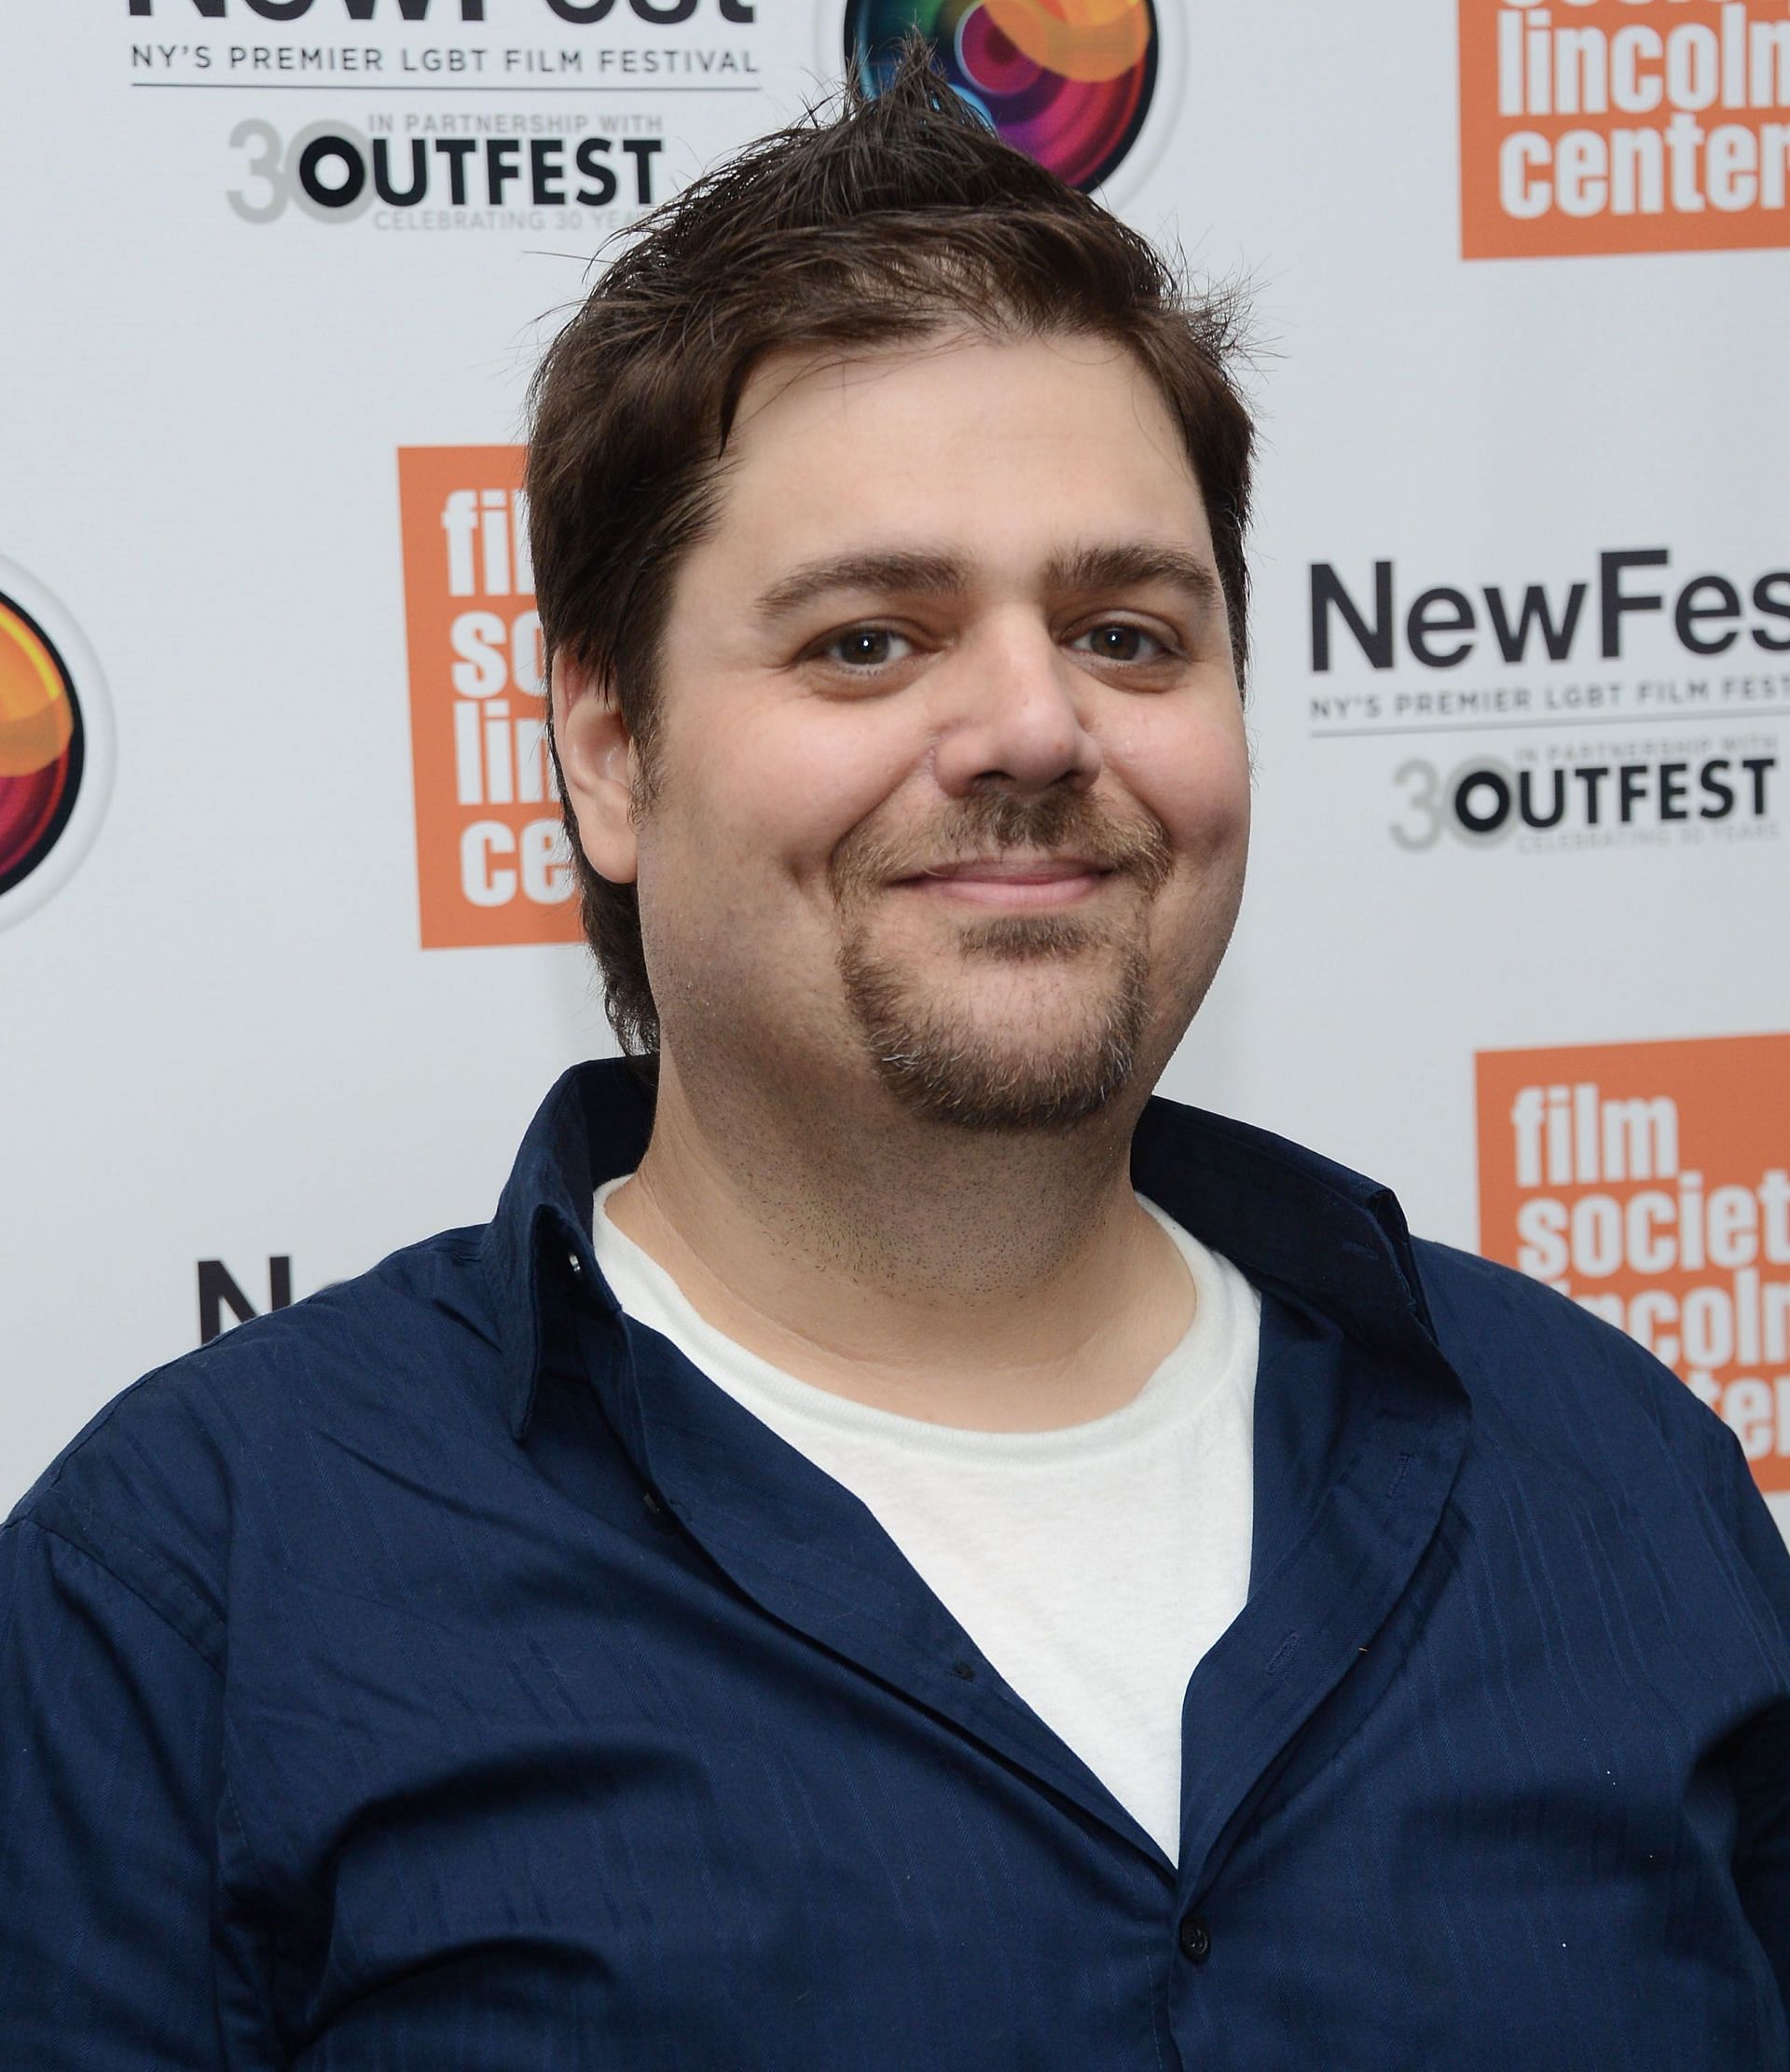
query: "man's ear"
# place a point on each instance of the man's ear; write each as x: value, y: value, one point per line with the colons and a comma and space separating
x: 596, y: 754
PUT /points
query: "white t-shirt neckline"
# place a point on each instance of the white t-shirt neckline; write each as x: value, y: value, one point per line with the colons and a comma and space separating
x: 1201, y: 1346
x: 1093, y: 1565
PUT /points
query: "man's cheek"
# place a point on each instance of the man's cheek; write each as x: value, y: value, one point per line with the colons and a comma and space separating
x: 1201, y: 823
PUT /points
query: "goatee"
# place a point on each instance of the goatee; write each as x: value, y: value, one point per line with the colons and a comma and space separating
x: 935, y: 1060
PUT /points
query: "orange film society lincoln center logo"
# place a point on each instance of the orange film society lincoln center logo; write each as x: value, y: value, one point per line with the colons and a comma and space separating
x: 492, y: 865
x: 1650, y: 1182
x: 1604, y: 126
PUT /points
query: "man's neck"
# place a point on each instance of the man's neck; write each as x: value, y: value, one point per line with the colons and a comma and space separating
x: 995, y: 1281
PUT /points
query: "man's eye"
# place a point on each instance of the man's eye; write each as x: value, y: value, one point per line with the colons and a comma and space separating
x: 1119, y: 642
x: 866, y: 647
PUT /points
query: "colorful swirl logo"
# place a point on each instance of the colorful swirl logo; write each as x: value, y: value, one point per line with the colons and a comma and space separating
x: 55, y: 746
x: 1068, y: 82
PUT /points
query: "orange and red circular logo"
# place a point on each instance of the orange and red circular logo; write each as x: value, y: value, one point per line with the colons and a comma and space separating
x: 1068, y: 82
x: 55, y: 745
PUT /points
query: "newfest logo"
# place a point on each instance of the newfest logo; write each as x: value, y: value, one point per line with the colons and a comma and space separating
x: 1600, y: 126
x: 55, y: 745
x: 1650, y: 1182
x: 219, y: 1290
x: 578, y: 14
x: 1640, y: 699
x: 492, y: 865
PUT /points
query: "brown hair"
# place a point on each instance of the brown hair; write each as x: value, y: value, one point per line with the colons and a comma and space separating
x: 884, y: 220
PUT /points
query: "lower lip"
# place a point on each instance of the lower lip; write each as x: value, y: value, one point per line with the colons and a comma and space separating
x: 1023, y: 894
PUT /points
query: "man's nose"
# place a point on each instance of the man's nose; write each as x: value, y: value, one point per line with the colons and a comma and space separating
x: 1015, y: 713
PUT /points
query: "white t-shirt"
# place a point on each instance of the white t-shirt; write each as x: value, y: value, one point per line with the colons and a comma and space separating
x: 1092, y: 1564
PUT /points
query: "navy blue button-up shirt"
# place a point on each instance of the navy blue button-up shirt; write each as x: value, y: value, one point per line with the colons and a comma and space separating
x: 443, y: 1676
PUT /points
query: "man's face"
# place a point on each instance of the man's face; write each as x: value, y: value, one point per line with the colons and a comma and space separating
x: 951, y: 784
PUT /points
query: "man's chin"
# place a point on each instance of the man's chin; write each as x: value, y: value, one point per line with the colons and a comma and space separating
x: 983, y: 1092
x: 1023, y: 1048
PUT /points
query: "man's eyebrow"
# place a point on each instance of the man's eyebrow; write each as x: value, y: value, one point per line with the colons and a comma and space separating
x: 1127, y: 564
x: 912, y: 573
x: 1114, y: 566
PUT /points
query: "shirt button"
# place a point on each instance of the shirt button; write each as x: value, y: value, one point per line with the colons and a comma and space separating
x: 1195, y: 1940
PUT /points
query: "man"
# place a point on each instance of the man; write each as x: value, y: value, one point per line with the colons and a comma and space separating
x: 894, y: 1550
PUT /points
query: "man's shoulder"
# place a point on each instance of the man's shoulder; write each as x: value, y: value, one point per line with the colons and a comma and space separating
x: 230, y: 1446
x: 1539, y: 1364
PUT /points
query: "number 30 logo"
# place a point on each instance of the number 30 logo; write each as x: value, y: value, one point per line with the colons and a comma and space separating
x: 280, y: 172
x: 1472, y: 803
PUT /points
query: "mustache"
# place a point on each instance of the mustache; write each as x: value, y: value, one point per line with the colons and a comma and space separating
x: 990, y: 824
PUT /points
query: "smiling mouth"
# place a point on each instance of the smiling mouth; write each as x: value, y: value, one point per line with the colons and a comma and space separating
x: 1023, y: 883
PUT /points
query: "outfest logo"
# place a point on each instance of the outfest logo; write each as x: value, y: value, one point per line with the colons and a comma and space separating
x: 55, y: 745
x: 1650, y: 1182
x: 481, y: 171
x: 425, y: 162
x: 1068, y: 82
x: 1605, y: 126
x: 492, y: 865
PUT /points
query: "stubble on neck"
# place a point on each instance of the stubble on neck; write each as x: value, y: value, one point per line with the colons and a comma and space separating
x: 993, y: 1279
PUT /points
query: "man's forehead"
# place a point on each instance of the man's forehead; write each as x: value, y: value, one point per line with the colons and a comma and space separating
x: 950, y: 464
x: 846, y: 371
x: 926, y: 414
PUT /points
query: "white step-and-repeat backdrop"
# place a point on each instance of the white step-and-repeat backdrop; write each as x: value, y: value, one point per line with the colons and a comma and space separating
x: 287, y: 955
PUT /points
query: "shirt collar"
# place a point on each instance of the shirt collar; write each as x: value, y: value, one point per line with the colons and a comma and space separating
x: 537, y: 1253
x: 1293, y: 1222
